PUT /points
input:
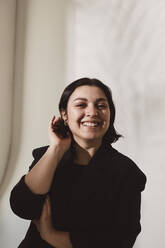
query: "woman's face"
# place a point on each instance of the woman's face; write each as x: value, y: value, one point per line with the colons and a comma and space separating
x: 88, y: 114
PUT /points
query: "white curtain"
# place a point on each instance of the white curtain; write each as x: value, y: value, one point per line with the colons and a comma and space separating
x: 33, y: 72
x: 32, y: 61
x: 7, y: 45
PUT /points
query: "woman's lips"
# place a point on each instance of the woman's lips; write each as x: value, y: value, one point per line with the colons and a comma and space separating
x: 90, y: 123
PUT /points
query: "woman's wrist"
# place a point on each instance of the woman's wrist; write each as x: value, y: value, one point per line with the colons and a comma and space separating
x: 48, y: 237
x: 55, y: 151
x: 58, y: 239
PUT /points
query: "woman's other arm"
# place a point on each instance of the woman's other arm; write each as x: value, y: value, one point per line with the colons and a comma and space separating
x: 58, y: 239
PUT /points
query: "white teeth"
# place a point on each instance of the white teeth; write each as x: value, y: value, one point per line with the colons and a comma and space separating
x: 91, y: 124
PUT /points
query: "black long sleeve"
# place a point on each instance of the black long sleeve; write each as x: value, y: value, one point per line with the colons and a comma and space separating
x: 23, y: 201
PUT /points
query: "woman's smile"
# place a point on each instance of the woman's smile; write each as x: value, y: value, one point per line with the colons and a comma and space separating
x: 91, y: 123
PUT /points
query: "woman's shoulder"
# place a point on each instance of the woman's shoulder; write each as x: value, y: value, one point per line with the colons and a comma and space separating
x: 127, y: 163
x: 39, y: 151
x: 128, y: 169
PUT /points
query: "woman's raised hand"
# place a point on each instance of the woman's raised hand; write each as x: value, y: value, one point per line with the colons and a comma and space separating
x: 56, y: 140
x: 39, y: 178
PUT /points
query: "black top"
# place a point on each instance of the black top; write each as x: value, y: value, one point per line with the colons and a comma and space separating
x: 98, y: 204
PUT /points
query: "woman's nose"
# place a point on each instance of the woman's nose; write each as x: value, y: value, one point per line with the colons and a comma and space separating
x: 91, y: 111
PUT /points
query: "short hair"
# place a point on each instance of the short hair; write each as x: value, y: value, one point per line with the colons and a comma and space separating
x: 111, y: 135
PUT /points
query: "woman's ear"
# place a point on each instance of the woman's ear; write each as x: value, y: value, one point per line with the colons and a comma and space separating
x: 64, y: 115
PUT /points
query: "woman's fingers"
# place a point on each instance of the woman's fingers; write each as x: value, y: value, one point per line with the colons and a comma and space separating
x: 54, y: 121
x: 51, y: 122
x: 44, y: 212
x: 48, y: 205
x: 45, y: 217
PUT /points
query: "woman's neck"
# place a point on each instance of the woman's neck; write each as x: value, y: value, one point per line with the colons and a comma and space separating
x: 83, y: 153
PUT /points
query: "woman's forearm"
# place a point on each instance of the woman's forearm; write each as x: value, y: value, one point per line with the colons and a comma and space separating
x: 59, y: 239
x: 39, y: 178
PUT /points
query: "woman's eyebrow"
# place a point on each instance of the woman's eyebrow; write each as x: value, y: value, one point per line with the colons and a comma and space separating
x: 97, y: 99
x: 101, y: 99
x: 80, y: 98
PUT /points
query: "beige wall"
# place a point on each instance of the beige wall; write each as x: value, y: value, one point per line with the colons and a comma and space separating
x: 46, y: 44
x: 122, y: 43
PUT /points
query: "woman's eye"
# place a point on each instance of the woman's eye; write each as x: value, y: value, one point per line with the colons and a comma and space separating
x: 83, y: 105
x: 80, y: 105
x: 102, y: 106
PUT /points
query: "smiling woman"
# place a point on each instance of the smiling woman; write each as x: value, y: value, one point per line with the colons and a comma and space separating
x: 80, y: 192
x: 100, y: 96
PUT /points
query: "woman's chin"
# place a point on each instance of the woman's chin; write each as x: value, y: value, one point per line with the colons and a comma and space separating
x: 91, y: 138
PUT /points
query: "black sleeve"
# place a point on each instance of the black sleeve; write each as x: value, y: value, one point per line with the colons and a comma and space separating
x: 23, y: 201
x: 125, y: 227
